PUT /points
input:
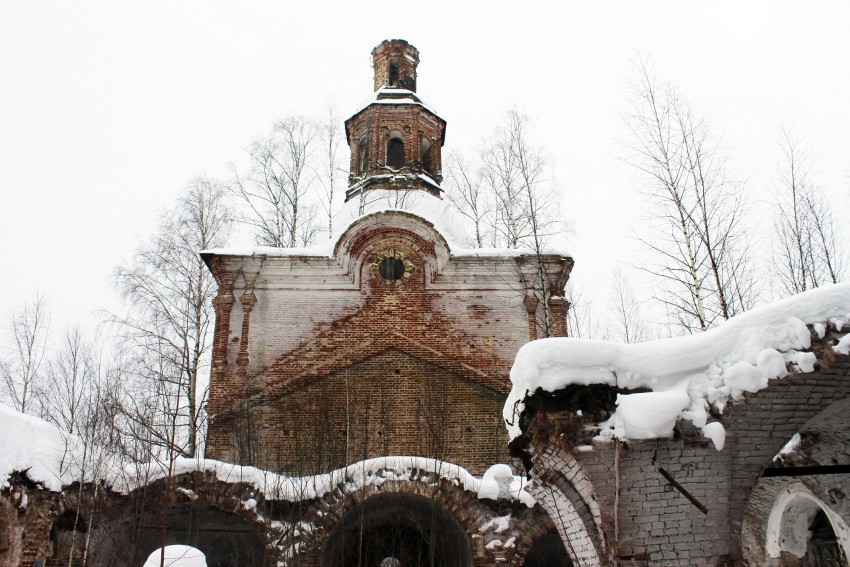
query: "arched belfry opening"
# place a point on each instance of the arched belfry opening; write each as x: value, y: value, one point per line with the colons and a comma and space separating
x: 395, y: 150
x: 397, y: 529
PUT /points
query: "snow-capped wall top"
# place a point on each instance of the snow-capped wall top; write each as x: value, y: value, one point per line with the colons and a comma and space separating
x: 687, y: 373
x: 51, y: 457
x: 436, y: 211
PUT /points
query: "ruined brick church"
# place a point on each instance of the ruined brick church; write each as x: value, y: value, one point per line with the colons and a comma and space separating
x: 396, y: 344
x: 356, y: 412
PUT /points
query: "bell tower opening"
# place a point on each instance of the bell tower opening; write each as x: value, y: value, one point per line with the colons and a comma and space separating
x: 395, y: 150
x: 393, y: 82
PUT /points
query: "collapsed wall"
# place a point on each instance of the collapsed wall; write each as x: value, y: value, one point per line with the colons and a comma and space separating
x: 624, y: 434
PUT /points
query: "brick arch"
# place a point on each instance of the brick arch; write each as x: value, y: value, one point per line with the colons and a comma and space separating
x: 563, y: 489
x: 446, y: 491
x: 219, y: 518
x: 391, y: 402
x: 376, y: 226
x: 762, y: 424
x: 825, y: 436
x: 773, y: 506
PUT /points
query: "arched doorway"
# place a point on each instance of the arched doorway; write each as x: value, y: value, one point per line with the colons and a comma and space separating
x: 225, y: 539
x: 395, y: 530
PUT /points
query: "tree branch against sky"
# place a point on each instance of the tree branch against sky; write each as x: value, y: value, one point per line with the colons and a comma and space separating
x: 808, y: 248
x: 694, y: 213
x: 275, y: 190
x: 169, y: 294
x: 25, y: 349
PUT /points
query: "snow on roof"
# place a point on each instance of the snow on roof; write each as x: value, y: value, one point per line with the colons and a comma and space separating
x: 684, y: 374
x: 436, y: 211
x: 394, y: 95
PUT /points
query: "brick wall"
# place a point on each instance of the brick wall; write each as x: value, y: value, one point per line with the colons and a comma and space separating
x: 643, y: 518
x: 329, y: 359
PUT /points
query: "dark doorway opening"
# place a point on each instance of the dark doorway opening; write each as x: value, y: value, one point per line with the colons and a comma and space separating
x: 391, y: 530
x: 548, y: 551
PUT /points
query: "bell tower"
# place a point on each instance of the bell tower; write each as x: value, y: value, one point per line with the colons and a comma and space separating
x: 395, y: 139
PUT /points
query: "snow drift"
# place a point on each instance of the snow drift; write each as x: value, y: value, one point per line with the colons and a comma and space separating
x: 685, y: 374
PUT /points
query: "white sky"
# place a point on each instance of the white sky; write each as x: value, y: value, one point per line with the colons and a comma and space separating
x: 108, y: 108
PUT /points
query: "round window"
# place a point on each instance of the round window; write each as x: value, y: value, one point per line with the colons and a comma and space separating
x: 391, y: 268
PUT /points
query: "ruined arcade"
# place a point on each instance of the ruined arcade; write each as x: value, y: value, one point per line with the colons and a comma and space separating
x: 360, y: 392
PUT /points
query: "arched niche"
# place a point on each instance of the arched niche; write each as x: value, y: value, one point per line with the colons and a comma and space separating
x: 397, y: 529
x: 362, y: 164
x: 376, y: 231
x: 803, y: 526
x: 425, y: 155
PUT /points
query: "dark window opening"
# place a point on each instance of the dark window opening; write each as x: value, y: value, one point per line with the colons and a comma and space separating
x: 395, y: 153
x: 391, y: 268
x: 393, y: 73
x: 68, y: 536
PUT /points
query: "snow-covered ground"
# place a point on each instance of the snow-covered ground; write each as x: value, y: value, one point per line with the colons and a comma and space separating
x: 685, y: 374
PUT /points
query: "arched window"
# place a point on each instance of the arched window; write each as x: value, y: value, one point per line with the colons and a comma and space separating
x: 395, y: 150
x: 362, y: 156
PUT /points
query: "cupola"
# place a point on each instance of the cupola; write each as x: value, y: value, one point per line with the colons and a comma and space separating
x: 395, y: 138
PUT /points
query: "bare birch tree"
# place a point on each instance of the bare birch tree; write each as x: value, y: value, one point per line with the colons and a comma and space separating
x: 169, y: 292
x: 69, y: 378
x: 509, y: 197
x: 629, y: 325
x: 694, y: 210
x: 276, y: 188
x: 808, y: 250
x: 21, y: 369
x: 469, y: 197
x: 330, y: 137
x: 583, y: 319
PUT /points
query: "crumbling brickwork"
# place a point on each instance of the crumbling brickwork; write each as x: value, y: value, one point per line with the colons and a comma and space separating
x: 644, y: 518
x: 366, y: 366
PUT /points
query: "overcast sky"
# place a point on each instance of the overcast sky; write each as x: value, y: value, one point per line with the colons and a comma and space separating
x: 108, y: 108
